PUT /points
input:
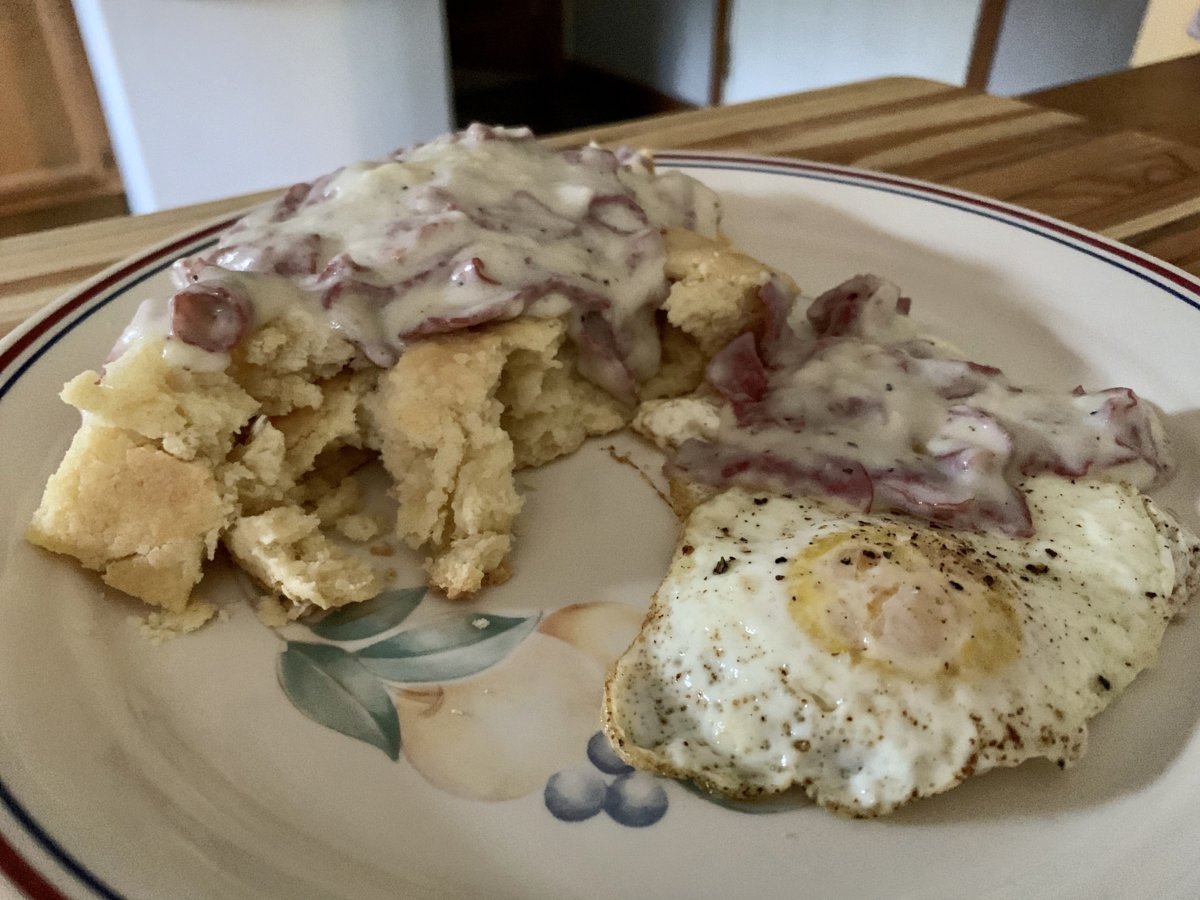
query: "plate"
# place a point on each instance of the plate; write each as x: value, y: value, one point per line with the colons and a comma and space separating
x: 244, y: 762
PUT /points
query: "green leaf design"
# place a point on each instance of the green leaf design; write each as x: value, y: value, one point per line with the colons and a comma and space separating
x: 332, y: 688
x: 453, y: 648
x: 371, y: 617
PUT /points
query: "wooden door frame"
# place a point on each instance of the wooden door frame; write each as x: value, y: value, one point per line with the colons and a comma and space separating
x: 979, y: 63
x: 983, y: 46
x: 718, y: 60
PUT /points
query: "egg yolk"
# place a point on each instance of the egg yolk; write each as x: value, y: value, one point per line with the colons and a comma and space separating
x: 923, y: 603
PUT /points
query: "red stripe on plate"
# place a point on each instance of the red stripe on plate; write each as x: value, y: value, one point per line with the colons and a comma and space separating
x: 1142, y: 260
x: 24, y: 875
x: 56, y: 315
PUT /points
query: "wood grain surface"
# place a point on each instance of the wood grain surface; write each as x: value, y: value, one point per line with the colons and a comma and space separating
x: 1134, y: 187
x: 1159, y: 99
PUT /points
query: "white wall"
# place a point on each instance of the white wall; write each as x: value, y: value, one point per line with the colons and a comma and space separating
x: 1163, y: 34
x: 665, y: 44
x: 209, y: 98
x: 1048, y: 42
x: 780, y: 46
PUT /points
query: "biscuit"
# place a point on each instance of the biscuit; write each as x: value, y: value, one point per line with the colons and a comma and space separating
x: 171, y: 459
x: 714, y: 289
x: 457, y: 416
x: 142, y: 518
x: 286, y: 550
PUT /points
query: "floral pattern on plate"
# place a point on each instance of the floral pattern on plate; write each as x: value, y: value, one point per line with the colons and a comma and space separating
x: 445, y: 689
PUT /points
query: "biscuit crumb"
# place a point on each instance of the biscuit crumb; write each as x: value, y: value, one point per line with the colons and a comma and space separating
x: 357, y: 527
x: 344, y: 500
x: 285, y: 549
x: 714, y: 290
x: 272, y: 611
x: 163, y: 625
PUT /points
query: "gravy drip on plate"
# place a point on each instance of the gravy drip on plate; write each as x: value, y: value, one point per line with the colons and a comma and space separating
x: 854, y: 404
x: 475, y: 227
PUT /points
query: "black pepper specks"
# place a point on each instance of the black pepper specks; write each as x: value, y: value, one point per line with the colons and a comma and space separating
x: 721, y: 567
x: 1104, y: 682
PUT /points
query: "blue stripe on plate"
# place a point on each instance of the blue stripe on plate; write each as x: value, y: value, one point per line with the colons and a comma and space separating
x: 87, y: 312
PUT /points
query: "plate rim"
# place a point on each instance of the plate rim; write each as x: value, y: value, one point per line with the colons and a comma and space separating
x: 32, y: 335
x: 1050, y: 227
x: 25, y: 335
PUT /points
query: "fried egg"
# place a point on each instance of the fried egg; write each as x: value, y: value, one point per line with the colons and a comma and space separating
x: 872, y: 660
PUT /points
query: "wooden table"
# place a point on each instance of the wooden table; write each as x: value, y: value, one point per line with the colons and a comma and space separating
x: 1159, y: 99
x: 1134, y: 187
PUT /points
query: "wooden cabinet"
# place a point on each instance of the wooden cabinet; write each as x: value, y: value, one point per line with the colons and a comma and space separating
x: 56, y: 165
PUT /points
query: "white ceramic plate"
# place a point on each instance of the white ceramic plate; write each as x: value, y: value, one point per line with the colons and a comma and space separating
x: 186, y: 769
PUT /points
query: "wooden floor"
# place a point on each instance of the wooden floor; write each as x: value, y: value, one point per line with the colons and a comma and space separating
x: 1162, y: 99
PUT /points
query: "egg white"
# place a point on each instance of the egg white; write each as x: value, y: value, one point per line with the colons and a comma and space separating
x: 872, y: 660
